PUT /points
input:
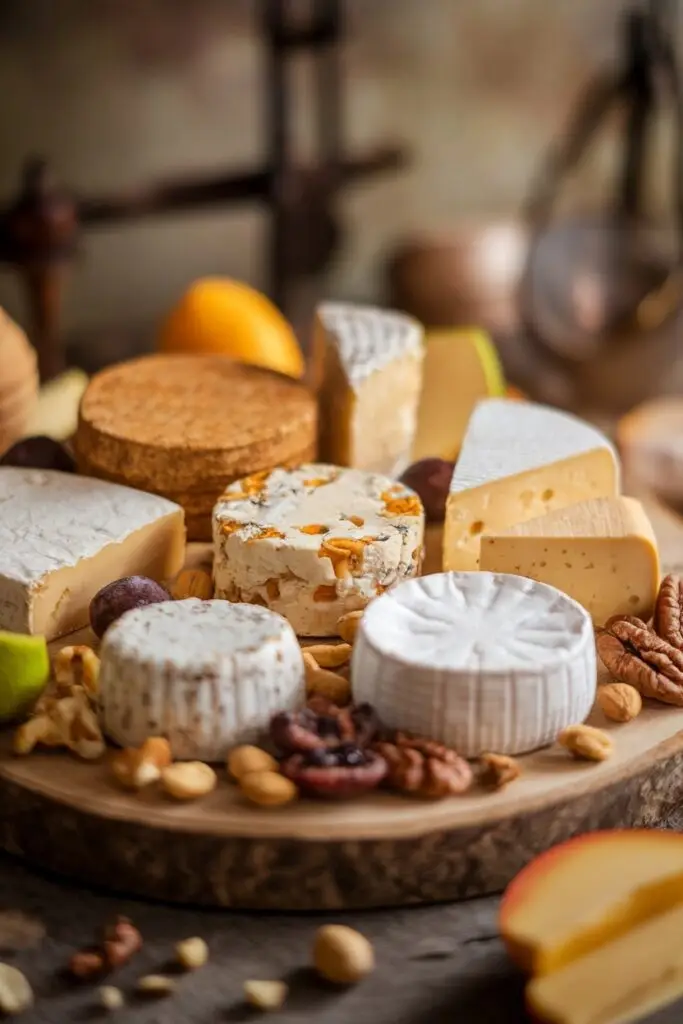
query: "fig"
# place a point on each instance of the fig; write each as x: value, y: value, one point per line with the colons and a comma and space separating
x: 431, y: 481
x: 120, y: 596
x: 39, y: 452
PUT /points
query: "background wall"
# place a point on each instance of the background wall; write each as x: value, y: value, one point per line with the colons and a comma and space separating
x: 117, y: 90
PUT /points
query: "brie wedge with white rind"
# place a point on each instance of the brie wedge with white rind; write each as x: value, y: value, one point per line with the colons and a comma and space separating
x: 315, y: 542
x: 479, y: 661
x: 207, y: 675
x: 367, y: 371
x: 63, y: 537
x: 518, y: 461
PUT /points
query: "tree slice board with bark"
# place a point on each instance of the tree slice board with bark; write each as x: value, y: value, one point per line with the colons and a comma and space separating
x: 66, y: 816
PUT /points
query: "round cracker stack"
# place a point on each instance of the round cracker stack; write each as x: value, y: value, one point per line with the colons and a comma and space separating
x: 184, y: 426
x: 19, y: 381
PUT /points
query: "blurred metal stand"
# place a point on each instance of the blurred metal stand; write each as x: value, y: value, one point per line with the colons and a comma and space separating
x: 40, y: 230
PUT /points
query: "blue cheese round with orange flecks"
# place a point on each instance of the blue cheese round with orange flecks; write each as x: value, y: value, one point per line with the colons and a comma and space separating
x: 480, y: 661
x: 315, y: 542
x: 206, y: 675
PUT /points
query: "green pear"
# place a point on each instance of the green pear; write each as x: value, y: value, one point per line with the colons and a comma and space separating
x: 24, y: 671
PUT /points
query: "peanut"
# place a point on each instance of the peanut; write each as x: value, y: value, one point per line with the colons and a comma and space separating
x: 111, y: 998
x: 268, y: 789
x: 347, y: 625
x: 16, y: 995
x: 619, y: 701
x: 587, y: 742
x: 155, y: 986
x: 192, y: 583
x: 499, y: 770
x: 192, y: 953
x: 188, y: 780
x: 265, y: 995
x: 342, y: 955
x: 245, y: 759
x: 329, y: 655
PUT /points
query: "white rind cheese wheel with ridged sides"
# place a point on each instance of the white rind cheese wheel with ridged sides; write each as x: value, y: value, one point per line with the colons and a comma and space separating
x: 207, y: 675
x: 315, y: 542
x: 476, y: 660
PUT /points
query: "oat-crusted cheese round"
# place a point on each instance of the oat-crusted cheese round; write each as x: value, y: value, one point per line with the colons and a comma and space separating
x: 315, y: 542
x: 207, y: 675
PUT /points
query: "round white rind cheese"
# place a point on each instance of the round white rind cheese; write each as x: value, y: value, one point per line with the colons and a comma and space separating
x: 476, y: 660
x: 207, y: 675
x: 315, y: 542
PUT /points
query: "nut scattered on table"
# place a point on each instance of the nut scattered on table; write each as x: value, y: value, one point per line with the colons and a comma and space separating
x: 87, y: 963
x: 586, y: 742
x: 342, y: 955
x: 156, y: 986
x: 192, y: 583
x: 329, y: 655
x: 266, y: 995
x: 122, y: 940
x: 498, y: 770
x: 424, y: 768
x: 268, y: 789
x: 347, y: 625
x: 192, y: 953
x: 111, y: 998
x: 188, y: 780
x: 668, y: 616
x: 619, y: 701
x: 135, y: 768
x: 75, y: 666
x: 16, y: 995
x: 245, y: 759
x: 325, y: 683
x: 634, y: 654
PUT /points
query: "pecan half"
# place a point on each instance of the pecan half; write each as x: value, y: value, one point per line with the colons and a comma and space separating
x: 635, y: 654
x: 424, y: 767
x: 668, y: 617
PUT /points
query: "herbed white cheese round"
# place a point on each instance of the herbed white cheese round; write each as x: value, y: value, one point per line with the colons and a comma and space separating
x: 315, y: 542
x: 479, y: 661
x: 205, y: 674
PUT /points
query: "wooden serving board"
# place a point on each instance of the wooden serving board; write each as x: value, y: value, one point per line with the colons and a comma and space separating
x: 65, y: 815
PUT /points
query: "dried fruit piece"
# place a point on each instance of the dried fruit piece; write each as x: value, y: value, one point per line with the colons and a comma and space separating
x: 245, y: 759
x: 342, y: 955
x: 586, y: 742
x: 188, y: 780
x: 634, y: 654
x: 156, y: 986
x: 16, y: 995
x: 498, y: 770
x: 87, y: 963
x: 39, y: 452
x: 134, y: 768
x: 329, y: 655
x: 323, y: 724
x: 266, y: 995
x: 336, y: 773
x: 192, y: 953
x: 110, y: 603
x: 668, y: 617
x: 192, y: 583
x: 76, y: 666
x: 313, y: 529
x: 347, y: 625
x: 268, y: 789
x: 122, y: 940
x: 405, y: 505
x: 619, y: 701
x: 111, y: 998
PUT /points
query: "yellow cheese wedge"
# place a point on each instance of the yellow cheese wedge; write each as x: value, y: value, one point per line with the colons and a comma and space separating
x: 461, y: 367
x: 601, y: 552
x: 587, y: 892
x: 620, y: 982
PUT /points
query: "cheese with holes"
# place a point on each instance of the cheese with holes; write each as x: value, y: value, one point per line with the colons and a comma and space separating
x: 63, y: 537
x: 461, y: 367
x: 315, y: 542
x: 603, y: 553
x: 518, y: 461
x: 205, y: 674
x: 368, y: 373
x: 479, y: 661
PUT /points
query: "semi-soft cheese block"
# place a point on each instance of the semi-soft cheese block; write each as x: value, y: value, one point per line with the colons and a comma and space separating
x: 461, y: 368
x: 478, y: 661
x: 368, y: 373
x: 315, y: 542
x: 62, y: 537
x: 207, y: 675
x: 602, y: 552
x: 520, y: 460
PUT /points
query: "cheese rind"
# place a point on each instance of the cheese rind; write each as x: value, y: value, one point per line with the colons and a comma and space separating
x: 205, y: 674
x: 367, y: 371
x: 315, y: 542
x: 603, y: 553
x: 519, y: 461
x: 63, y: 537
x: 479, y: 661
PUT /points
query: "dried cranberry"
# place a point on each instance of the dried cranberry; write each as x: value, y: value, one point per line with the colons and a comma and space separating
x: 353, y: 772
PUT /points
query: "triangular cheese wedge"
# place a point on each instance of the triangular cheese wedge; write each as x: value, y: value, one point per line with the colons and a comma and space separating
x: 461, y: 368
x: 520, y: 460
x: 367, y: 370
x: 602, y: 552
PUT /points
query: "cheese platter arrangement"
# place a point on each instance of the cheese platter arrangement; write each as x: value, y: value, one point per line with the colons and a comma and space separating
x: 252, y: 656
